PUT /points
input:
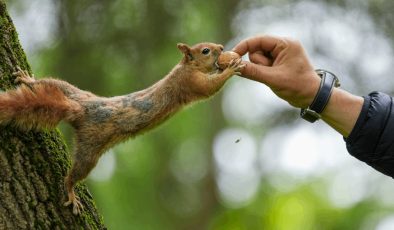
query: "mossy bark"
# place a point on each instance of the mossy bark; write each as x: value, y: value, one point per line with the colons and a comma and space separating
x: 33, y: 164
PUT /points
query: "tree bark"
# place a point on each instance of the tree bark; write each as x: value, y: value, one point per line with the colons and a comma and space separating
x: 33, y: 164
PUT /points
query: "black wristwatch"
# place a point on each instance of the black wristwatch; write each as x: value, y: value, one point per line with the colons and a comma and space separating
x: 328, y: 82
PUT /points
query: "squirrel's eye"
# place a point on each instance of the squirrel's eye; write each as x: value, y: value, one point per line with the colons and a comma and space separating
x: 205, y: 51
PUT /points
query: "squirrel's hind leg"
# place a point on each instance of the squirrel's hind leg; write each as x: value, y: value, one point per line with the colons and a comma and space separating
x: 86, y: 156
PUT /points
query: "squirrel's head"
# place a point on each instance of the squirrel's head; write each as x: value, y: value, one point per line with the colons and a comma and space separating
x: 202, y: 55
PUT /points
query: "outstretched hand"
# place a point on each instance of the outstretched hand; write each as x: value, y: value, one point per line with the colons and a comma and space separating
x: 281, y: 64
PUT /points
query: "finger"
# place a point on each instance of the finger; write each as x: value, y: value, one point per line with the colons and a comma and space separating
x: 259, y: 43
x: 260, y: 73
x: 259, y: 58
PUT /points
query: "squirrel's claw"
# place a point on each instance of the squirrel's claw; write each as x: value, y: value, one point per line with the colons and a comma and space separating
x: 22, y: 76
x: 236, y: 66
x: 217, y: 65
x: 77, y: 205
x: 18, y: 69
x: 240, y: 67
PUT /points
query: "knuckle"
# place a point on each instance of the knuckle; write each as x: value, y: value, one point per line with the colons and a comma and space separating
x: 291, y: 42
x: 294, y: 43
x: 281, y: 45
x: 283, y: 42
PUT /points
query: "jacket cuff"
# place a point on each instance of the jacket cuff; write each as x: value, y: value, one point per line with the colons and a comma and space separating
x: 361, y: 120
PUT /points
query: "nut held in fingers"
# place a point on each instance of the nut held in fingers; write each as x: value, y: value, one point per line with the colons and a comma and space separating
x: 226, y: 57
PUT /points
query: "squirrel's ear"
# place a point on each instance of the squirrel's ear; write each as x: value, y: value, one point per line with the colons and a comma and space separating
x: 185, y: 49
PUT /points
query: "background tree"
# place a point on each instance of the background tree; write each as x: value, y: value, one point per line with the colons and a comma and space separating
x: 33, y: 164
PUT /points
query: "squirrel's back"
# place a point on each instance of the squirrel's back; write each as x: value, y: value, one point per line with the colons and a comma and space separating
x: 36, y: 106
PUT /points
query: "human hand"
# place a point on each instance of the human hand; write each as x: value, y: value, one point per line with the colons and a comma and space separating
x: 282, y: 65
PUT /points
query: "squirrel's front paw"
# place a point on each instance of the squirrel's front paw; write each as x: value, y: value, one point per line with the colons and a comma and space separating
x: 236, y: 66
x: 22, y: 76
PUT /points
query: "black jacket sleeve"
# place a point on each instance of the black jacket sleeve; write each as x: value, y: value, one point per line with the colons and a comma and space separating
x: 372, y: 138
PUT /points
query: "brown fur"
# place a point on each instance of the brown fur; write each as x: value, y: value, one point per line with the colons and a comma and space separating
x: 99, y: 122
x: 31, y: 108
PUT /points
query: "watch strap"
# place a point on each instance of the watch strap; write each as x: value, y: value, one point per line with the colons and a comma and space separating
x: 323, y: 95
x: 328, y: 82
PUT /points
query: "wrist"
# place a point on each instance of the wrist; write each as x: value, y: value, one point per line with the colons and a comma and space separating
x: 342, y: 111
x: 313, y: 88
x: 328, y: 82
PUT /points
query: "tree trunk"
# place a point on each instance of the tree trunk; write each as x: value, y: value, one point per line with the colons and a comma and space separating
x: 33, y: 164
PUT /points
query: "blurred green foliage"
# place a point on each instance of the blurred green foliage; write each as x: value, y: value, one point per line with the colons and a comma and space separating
x: 116, y: 47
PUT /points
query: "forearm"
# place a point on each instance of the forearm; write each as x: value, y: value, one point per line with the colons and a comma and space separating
x: 342, y: 111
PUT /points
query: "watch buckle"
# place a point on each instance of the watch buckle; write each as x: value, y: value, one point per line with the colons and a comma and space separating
x: 310, y: 115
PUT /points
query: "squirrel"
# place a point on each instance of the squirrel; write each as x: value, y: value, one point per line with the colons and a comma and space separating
x: 101, y: 122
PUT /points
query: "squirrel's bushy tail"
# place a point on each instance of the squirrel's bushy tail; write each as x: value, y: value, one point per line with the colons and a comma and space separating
x: 38, y: 106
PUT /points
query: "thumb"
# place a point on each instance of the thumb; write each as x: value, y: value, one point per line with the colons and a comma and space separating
x: 256, y: 72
